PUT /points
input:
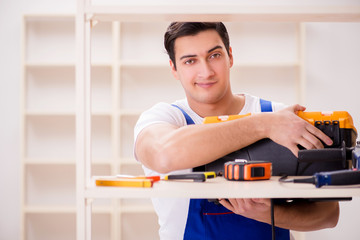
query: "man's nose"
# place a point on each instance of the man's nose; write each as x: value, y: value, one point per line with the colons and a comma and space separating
x: 205, y: 71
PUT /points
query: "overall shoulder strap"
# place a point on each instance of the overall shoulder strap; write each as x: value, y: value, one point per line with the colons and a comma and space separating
x: 188, y: 119
x: 265, y: 105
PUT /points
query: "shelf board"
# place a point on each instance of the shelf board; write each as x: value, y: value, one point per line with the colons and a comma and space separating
x: 49, y: 64
x: 41, y: 113
x: 66, y: 161
x: 221, y: 188
x: 195, y: 11
x: 267, y: 65
x: 48, y: 161
x: 142, y: 64
x: 68, y: 113
x: 128, y: 161
x: 101, y: 114
x: 139, y: 64
x: 49, y: 209
x: 50, y: 16
x: 130, y: 112
x: 52, y: 161
x: 95, y: 209
x: 62, y: 209
x: 101, y: 64
x: 145, y: 208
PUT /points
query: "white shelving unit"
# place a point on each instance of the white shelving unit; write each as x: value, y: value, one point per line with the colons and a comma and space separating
x: 137, y: 62
x: 48, y: 128
x: 73, y: 130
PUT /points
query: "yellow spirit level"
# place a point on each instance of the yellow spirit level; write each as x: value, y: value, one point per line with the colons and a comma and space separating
x: 338, y: 125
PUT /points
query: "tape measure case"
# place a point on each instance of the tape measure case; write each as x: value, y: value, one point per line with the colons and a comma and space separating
x: 243, y: 170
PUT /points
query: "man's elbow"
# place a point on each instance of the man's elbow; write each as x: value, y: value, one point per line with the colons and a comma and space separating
x: 159, y: 159
x: 334, y: 217
x: 331, y: 218
x: 162, y: 163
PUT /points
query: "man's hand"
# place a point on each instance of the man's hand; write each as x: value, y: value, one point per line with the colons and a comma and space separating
x: 305, y: 216
x: 254, y: 208
x: 289, y: 130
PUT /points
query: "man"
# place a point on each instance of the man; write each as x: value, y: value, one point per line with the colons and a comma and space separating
x: 201, y: 58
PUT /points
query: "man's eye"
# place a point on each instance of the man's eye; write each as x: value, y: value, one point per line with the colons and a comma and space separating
x: 215, y: 55
x: 190, y: 61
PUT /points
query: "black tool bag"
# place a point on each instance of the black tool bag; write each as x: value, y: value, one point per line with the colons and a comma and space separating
x: 284, y: 161
x: 335, y: 157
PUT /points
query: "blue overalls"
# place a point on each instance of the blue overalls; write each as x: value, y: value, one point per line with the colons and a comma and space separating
x: 208, y: 221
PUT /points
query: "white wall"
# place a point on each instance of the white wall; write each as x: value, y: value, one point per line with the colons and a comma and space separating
x: 333, y: 65
x: 333, y: 76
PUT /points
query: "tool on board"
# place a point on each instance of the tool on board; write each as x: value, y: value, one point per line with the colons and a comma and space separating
x: 148, y: 181
x: 333, y: 178
x: 196, y: 176
x: 129, y: 182
x: 244, y: 170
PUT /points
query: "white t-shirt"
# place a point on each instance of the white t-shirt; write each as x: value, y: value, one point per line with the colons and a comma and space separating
x: 173, y: 212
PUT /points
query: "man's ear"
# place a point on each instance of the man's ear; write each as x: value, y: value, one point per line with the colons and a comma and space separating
x: 173, y: 69
x: 231, y: 57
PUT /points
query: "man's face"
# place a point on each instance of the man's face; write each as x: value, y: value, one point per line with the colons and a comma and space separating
x: 203, y: 67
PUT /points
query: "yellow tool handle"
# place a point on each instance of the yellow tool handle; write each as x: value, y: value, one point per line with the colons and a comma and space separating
x: 196, y: 176
x: 144, y: 183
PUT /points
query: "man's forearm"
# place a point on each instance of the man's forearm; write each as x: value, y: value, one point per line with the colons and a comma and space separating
x: 307, y: 216
x: 166, y: 148
x: 295, y: 216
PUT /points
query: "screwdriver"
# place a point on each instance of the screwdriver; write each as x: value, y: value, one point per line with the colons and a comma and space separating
x: 196, y: 176
x: 332, y: 178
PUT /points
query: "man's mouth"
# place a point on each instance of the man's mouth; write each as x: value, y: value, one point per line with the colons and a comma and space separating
x: 205, y: 84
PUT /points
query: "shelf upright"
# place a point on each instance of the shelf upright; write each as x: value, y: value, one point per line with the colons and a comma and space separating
x: 22, y: 130
x: 83, y: 121
x: 301, y: 80
x: 116, y: 118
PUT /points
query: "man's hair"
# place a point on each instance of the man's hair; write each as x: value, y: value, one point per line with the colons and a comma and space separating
x: 181, y: 29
